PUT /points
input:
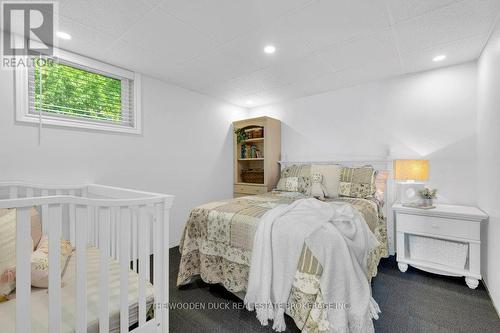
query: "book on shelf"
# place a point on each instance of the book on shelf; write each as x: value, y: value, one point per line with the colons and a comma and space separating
x: 250, y: 151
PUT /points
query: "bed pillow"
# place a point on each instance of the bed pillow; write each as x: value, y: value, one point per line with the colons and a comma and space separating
x: 40, y: 262
x: 331, y: 177
x: 296, y: 170
x: 357, y: 182
x: 295, y: 178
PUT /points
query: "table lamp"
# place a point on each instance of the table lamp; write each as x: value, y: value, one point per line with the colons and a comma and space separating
x: 410, y: 176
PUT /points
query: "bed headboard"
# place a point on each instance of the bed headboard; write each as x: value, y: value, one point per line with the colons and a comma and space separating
x: 389, y: 194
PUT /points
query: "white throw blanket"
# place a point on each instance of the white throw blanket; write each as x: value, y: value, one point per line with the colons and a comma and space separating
x: 345, y: 243
x: 278, y: 242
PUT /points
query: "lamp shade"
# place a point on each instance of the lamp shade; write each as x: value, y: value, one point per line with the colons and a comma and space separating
x: 411, y: 169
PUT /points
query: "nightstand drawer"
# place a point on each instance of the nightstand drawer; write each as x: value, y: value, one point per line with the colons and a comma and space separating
x: 250, y: 189
x: 438, y: 226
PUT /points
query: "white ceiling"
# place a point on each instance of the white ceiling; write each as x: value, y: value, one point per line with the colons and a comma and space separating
x: 216, y: 46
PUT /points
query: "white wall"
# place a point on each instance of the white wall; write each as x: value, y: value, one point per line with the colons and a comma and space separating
x: 185, y: 149
x: 488, y: 161
x: 426, y: 115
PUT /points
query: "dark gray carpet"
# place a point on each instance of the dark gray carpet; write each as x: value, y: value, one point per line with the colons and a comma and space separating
x: 414, y: 301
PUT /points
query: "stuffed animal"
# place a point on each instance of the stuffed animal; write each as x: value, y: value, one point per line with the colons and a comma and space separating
x: 318, y: 190
x: 7, y: 278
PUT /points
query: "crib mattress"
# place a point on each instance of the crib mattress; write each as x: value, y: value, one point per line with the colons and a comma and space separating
x: 40, y: 299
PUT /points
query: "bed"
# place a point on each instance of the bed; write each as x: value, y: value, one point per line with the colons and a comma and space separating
x: 217, y: 246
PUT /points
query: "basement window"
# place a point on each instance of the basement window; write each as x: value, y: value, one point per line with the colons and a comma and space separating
x: 71, y: 90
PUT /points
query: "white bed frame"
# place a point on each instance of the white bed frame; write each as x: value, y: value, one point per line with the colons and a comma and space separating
x: 389, y: 194
x: 120, y: 222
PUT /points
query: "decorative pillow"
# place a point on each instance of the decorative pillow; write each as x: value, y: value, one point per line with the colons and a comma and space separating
x: 36, y: 227
x: 295, y: 178
x: 40, y: 262
x: 8, y: 246
x: 295, y: 184
x: 331, y: 177
x: 7, y: 250
x: 357, y: 182
x: 305, y: 185
x: 318, y: 190
x: 289, y: 184
x: 380, y: 185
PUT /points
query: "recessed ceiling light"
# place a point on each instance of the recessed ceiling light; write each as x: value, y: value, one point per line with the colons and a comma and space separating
x: 270, y: 49
x: 63, y: 35
x: 249, y: 102
x: 439, y: 58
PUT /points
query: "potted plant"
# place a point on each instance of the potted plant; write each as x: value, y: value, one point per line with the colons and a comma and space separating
x: 428, y: 195
x: 240, y: 135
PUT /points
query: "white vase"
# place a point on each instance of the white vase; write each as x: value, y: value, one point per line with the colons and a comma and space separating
x: 427, y: 202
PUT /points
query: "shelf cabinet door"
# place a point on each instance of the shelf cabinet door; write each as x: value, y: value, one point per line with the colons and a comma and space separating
x: 250, y: 189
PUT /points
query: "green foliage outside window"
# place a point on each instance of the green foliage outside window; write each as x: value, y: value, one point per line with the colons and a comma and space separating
x: 70, y: 90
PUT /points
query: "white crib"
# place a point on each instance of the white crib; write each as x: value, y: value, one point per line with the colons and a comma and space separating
x: 123, y: 224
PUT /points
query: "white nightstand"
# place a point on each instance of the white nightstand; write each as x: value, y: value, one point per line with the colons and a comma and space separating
x: 445, y: 240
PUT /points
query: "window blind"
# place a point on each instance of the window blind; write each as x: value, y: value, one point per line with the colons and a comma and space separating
x: 72, y: 91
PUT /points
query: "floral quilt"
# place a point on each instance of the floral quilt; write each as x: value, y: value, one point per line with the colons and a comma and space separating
x: 217, y: 243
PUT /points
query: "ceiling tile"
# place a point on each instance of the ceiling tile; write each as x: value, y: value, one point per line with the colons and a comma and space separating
x: 304, y: 69
x: 214, y: 67
x: 141, y: 60
x: 164, y: 34
x: 468, y: 18
x: 327, y: 22
x: 250, y: 47
x: 225, y: 19
x: 362, y: 51
x: 404, y: 9
x: 275, y: 95
x: 230, y: 94
x: 456, y: 52
x: 84, y: 40
x: 256, y: 82
x: 111, y: 16
x: 353, y: 76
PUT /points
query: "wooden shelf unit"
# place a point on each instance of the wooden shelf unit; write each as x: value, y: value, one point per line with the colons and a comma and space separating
x: 253, y: 140
x: 269, y: 146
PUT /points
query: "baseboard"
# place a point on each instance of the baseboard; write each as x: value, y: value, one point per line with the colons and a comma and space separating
x: 497, y: 308
x: 492, y: 301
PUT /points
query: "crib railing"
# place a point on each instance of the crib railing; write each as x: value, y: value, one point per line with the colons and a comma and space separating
x: 124, y: 224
